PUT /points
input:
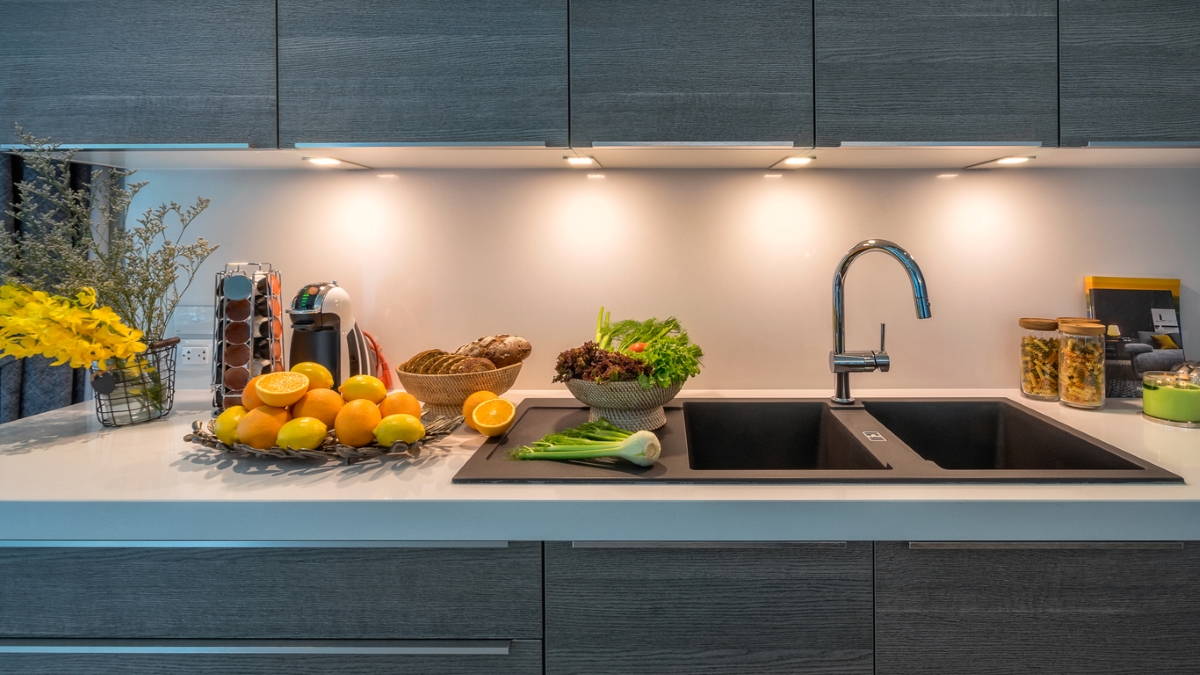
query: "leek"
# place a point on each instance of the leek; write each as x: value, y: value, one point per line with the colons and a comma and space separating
x: 594, y: 440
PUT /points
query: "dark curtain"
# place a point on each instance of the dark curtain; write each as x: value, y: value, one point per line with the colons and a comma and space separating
x: 31, y: 386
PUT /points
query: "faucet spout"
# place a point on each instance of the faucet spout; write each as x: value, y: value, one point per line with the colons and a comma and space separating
x: 841, y: 362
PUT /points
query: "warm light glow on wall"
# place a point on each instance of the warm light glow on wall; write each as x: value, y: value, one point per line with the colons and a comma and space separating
x: 580, y: 161
x: 1013, y: 160
x: 323, y: 161
x: 798, y: 161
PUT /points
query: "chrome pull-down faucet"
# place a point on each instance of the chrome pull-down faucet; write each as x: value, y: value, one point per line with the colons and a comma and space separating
x: 842, y: 362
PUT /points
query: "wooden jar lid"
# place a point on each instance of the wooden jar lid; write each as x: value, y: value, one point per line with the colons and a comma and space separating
x: 1077, y: 319
x: 1038, y: 324
x: 1082, y: 328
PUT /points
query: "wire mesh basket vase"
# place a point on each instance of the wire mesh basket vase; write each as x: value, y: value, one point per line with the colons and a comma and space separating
x: 140, y: 389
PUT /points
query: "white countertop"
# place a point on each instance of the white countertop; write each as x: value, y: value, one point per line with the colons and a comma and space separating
x: 63, y: 477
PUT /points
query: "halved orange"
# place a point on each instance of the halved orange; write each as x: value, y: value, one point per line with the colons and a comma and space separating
x: 494, y: 416
x: 472, y: 402
x: 281, y: 389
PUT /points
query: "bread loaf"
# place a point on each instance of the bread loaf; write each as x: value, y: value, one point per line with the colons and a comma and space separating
x: 501, y: 350
x: 414, y: 364
x: 472, y: 364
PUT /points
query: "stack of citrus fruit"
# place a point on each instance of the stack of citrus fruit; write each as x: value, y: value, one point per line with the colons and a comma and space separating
x: 295, y: 410
x: 488, y: 414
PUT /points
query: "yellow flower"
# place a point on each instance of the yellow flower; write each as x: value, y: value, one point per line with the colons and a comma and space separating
x: 62, y: 329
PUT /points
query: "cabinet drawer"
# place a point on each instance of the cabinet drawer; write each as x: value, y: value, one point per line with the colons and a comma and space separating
x: 416, y: 592
x: 688, y: 608
x: 1067, y: 608
x: 518, y: 657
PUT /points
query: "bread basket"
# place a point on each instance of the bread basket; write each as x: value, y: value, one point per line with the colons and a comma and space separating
x: 444, y: 395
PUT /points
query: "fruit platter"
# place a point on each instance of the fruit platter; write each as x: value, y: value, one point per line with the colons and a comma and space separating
x: 298, y: 415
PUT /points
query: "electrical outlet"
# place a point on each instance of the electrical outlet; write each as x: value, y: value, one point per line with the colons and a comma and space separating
x: 194, y: 352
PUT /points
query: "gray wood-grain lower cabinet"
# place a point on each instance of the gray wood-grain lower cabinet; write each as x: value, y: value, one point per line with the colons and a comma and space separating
x: 272, y: 593
x: 708, y: 609
x: 691, y: 71
x: 1130, y: 71
x: 523, y: 658
x: 948, y: 71
x: 1067, y: 609
x: 423, y: 71
x: 130, y: 72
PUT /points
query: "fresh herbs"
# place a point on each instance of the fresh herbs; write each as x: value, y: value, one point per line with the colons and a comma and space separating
x: 653, y: 352
x: 594, y: 440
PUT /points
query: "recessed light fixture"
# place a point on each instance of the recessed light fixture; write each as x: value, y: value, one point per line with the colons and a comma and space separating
x: 323, y: 161
x: 1016, y: 160
x: 387, y: 175
x: 772, y: 175
x: 580, y: 161
x: 595, y: 175
x: 1013, y: 160
x: 798, y: 161
x: 947, y: 175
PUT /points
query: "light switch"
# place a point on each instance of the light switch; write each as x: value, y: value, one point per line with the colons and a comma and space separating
x: 192, y: 321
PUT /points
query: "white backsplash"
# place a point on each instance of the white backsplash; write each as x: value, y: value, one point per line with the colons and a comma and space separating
x: 438, y: 258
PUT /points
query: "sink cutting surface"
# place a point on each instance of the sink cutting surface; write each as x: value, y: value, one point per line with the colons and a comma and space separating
x: 762, y: 441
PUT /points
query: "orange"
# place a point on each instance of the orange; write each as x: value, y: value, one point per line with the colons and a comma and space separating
x: 250, y: 399
x: 400, y: 403
x: 472, y: 401
x: 281, y: 389
x: 260, y: 426
x: 355, y: 423
x: 323, y: 404
x: 494, y: 417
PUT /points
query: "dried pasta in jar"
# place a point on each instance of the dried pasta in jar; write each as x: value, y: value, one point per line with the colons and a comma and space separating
x: 1039, y: 359
x: 1081, y: 365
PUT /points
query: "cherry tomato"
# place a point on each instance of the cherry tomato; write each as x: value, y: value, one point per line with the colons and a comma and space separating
x: 637, y: 347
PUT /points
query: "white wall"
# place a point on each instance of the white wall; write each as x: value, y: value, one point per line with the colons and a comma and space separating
x: 437, y: 258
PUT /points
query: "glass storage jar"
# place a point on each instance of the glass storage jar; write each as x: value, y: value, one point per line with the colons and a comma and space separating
x: 1039, y: 359
x: 1081, y: 365
x: 1173, y: 398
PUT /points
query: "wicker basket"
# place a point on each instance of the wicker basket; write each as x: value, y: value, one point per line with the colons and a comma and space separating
x: 625, y: 404
x: 444, y: 395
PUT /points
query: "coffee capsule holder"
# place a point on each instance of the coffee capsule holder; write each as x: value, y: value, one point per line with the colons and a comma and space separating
x: 247, y: 329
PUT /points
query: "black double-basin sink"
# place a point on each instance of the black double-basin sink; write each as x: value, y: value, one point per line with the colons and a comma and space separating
x: 980, y: 440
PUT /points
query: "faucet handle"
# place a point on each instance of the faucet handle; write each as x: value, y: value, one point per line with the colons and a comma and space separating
x: 882, y: 337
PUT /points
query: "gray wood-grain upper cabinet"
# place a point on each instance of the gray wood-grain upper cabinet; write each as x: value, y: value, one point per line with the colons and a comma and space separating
x: 988, y: 609
x: 423, y: 71
x: 1130, y: 72
x: 946, y: 71
x: 691, y: 71
x: 671, y: 607
x: 133, y: 72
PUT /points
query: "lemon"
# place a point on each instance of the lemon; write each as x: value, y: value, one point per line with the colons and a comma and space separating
x: 302, y: 433
x: 363, y: 386
x: 318, y: 375
x: 399, y: 428
x: 227, y: 423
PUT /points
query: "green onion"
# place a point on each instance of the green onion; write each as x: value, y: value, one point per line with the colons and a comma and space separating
x: 594, y: 440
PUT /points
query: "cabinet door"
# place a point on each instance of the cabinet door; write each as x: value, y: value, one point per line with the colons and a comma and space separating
x: 947, y: 71
x: 1068, y: 609
x: 675, y: 607
x: 404, y: 592
x: 1130, y: 72
x: 423, y: 71
x: 133, y: 72
x: 691, y: 71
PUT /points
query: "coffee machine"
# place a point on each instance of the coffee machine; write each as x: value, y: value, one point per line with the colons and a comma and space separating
x: 324, y: 331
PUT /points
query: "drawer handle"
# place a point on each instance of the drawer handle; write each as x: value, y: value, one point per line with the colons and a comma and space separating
x: 1046, y: 545
x: 313, y: 647
x: 697, y: 144
x: 141, y: 146
x: 434, y: 144
x: 1142, y: 144
x: 119, y: 543
x: 708, y: 544
x: 940, y: 144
